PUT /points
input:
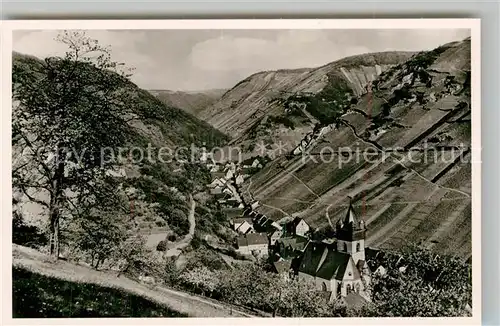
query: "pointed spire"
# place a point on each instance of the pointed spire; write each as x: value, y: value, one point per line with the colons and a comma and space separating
x: 350, y: 216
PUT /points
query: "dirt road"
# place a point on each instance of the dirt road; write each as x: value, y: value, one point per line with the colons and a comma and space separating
x: 175, y: 250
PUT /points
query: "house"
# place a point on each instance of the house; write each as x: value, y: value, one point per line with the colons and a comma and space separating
x: 229, y: 175
x: 217, y: 190
x: 255, y: 204
x: 218, y: 175
x: 252, y: 243
x: 288, y: 247
x: 245, y: 227
x: 233, y: 212
x: 256, y: 164
x: 240, y: 179
x: 274, y: 236
x: 241, y: 224
x: 217, y: 183
x: 264, y: 224
x: 233, y: 202
x: 222, y: 197
x: 338, y: 268
x: 298, y: 227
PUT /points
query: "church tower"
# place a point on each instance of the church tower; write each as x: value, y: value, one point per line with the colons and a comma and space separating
x: 350, y: 233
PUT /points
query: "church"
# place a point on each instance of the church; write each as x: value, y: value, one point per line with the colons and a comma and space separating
x: 339, y: 267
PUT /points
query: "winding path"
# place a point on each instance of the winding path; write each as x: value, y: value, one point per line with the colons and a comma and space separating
x: 176, y: 250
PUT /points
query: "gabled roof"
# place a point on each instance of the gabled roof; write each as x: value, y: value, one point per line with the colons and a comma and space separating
x: 297, y: 220
x: 250, y: 239
x: 312, y: 258
x: 322, y: 260
x: 334, y: 265
x: 296, y: 242
x: 233, y: 212
x: 240, y: 220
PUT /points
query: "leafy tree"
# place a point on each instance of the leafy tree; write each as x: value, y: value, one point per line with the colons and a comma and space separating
x: 419, y: 283
x: 200, y: 278
x: 162, y: 246
x: 100, y: 236
x: 67, y: 110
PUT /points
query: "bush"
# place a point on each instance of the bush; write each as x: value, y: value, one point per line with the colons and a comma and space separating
x: 419, y: 283
x: 162, y: 246
x: 27, y: 235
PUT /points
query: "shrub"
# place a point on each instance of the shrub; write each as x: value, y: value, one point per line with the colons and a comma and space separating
x: 27, y: 235
x: 162, y: 246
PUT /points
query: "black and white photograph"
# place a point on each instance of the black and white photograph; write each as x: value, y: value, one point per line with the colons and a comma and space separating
x: 298, y: 170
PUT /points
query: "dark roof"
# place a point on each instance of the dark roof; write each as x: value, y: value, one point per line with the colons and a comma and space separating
x: 350, y: 216
x: 242, y: 219
x: 218, y: 174
x: 295, y: 243
x: 350, y: 228
x: 250, y: 239
x: 256, y: 238
x: 297, y: 220
x: 311, y: 258
x: 233, y: 212
x: 334, y: 266
x: 322, y: 260
x: 282, y: 266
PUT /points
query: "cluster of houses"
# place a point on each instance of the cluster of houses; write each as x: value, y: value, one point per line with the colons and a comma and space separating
x: 335, y: 266
x: 225, y: 180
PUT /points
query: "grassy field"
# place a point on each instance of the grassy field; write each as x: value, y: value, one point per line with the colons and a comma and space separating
x: 39, y: 296
x: 44, y: 288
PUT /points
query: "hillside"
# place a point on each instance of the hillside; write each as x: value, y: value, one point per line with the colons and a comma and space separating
x: 266, y: 106
x: 44, y: 288
x: 403, y: 195
x: 191, y: 102
x: 158, y: 191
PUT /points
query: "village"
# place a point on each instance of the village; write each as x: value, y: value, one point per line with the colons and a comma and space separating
x: 336, y: 266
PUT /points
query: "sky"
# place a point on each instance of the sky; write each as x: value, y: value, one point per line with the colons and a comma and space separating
x: 191, y: 60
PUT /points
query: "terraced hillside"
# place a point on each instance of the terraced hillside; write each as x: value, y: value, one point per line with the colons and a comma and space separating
x: 267, y: 106
x: 404, y: 193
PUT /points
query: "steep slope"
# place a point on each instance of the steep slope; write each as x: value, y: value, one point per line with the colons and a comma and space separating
x: 404, y: 192
x: 191, y: 102
x: 44, y: 289
x: 263, y: 107
x: 158, y: 190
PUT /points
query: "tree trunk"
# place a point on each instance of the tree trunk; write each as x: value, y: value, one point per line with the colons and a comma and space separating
x: 55, y: 202
x: 54, y: 235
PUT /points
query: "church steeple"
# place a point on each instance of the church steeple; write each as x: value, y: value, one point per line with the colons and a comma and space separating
x: 350, y: 234
x: 351, y: 228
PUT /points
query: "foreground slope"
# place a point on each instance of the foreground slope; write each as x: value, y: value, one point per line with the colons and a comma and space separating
x: 403, y: 194
x: 264, y: 107
x: 31, y: 266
